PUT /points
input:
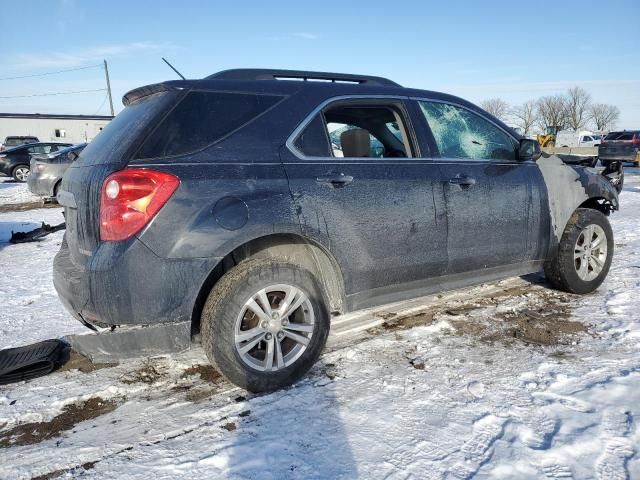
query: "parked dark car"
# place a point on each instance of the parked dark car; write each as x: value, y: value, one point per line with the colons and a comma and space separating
x: 46, y: 170
x: 15, y: 161
x: 620, y: 146
x: 221, y: 205
x: 10, y: 142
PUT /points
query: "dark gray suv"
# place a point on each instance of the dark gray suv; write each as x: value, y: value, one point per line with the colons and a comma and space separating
x: 252, y: 206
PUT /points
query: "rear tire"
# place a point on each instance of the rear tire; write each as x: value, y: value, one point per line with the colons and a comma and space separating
x: 584, y: 255
x: 292, y: 337
x: 20, y: 173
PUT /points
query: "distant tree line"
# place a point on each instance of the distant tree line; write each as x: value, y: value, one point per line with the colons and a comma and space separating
x: 571, y: 110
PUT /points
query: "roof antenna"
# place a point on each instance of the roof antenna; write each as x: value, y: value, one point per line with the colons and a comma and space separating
x: 173, y: 68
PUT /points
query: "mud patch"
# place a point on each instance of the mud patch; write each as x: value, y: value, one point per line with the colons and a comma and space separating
x: 542, y: 318
x: 405, y: 322
x: 22, y: 207
x: 206, y: 372
x: 229, y: 426
x: 148, y: 374
x: 36, y: 432
x: 82, y: 363
x: 196, y: 395
x: 73, y: 471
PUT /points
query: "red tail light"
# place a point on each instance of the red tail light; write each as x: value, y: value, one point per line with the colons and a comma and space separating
x: 636, y: 140
x: 130, y: 199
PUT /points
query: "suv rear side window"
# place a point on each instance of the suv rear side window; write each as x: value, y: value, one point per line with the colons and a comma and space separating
x: 202, y: 118
x: 460, y: 133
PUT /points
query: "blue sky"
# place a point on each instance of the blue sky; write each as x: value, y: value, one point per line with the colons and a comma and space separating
x: 513, y: 50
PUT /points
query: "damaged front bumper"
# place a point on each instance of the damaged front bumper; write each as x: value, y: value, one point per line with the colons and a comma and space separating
x: 613, y: 171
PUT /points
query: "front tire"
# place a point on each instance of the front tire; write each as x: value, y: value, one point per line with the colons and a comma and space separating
x: 265, y: 324
x: 584, y: 254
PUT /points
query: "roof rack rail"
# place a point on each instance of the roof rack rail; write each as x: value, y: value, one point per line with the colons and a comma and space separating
x: 272, y: 74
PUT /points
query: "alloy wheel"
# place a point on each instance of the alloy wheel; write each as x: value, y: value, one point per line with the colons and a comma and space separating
x: 22, y: 173
x: 274, y: 327
x: 590, y: 252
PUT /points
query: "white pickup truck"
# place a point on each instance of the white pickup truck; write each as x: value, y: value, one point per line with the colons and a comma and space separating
x: 584, y: 138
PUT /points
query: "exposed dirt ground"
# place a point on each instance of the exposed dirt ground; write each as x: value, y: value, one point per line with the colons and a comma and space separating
x: 541, y: 319
x: 22, y: 207
x: 36, y: 432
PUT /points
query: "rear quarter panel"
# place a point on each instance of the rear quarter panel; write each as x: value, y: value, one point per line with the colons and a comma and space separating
x: 220, y: 206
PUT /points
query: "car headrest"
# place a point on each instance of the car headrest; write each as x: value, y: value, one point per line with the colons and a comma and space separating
x: 355, y: 143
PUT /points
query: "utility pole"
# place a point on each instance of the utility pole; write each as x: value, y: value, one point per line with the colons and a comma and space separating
x: 106, y: 74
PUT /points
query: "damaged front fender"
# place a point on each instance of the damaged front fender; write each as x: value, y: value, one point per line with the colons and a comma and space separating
x: 569, y: 187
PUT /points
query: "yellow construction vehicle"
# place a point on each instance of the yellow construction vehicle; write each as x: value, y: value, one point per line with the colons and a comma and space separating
x: 549, y: 138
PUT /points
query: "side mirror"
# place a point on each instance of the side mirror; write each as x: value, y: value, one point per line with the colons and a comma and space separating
x: 72, y: 156
x: 529, y: 150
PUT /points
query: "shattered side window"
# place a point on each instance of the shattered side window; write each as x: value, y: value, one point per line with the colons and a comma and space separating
x: 460, y: 133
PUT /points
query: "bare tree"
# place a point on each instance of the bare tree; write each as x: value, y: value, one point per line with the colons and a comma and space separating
x: 577, y: 105
x: 525, y: 116
x: 551, y: 111
x: 603, y: 116
x: 496, y: 107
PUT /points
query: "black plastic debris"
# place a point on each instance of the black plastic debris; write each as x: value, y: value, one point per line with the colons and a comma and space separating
x: 36, y: 234
x: 32, y: 361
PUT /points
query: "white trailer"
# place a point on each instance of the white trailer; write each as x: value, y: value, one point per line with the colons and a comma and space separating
x: 51, y: 127
x: 584, y: 138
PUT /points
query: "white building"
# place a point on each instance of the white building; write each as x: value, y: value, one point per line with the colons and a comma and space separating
x: 50, y: 127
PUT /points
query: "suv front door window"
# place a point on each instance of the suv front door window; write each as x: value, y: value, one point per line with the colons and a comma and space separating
x: 492, y: 201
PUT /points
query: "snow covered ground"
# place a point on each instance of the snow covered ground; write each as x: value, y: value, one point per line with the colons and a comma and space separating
x: 506, y: 380
x: 14, y: 192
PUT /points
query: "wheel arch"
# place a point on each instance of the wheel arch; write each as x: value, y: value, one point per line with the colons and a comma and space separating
x: 56, y: 186
x: 601, y: 204
x: 292, y: 248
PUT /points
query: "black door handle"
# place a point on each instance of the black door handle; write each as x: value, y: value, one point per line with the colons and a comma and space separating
x: 337, y: 180
x: 462, y: 180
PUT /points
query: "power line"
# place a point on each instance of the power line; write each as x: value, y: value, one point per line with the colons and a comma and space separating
x: 56, y: 93
x: 104, y: 100
x: 51, y: 73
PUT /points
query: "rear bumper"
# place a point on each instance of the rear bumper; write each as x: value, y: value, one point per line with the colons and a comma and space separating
x: 40, y: 184
x: 129, y: 285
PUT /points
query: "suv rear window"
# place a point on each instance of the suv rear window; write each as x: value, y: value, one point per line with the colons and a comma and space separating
x: 202, y: 118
